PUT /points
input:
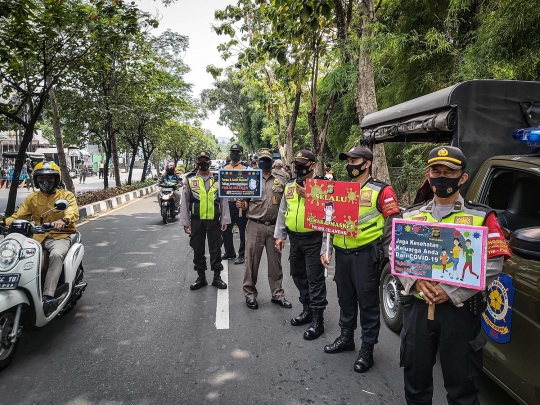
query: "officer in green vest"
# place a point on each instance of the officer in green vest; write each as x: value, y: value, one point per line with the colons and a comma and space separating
x: 204, y: 215
x: 455, y: 331
x: 307, y: 270
x: 358, y: 260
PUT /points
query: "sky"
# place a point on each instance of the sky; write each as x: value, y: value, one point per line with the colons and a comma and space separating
x: 195, y: 19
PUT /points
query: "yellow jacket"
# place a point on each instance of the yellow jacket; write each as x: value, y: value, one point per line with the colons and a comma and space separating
x: 37, y: 203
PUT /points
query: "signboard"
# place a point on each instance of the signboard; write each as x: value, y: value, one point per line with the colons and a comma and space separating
x: 245, y: 183
x: 448, y: 253
x: 332, y: 206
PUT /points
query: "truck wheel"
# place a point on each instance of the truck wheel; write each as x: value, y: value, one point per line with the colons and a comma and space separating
x: 391, y: 309
x: 7, y: 347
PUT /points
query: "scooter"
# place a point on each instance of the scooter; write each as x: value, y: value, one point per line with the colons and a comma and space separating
x: 167, y: 201
x: 21, y: 281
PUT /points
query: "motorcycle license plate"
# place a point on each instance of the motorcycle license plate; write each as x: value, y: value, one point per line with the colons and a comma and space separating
x: 9, y: 281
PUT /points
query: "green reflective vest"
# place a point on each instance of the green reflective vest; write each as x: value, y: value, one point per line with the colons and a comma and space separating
x: 204, y: 204
x: 296, y: 209
x: 370, y: 219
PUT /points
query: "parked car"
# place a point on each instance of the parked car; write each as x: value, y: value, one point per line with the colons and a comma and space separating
x: 483, y: 118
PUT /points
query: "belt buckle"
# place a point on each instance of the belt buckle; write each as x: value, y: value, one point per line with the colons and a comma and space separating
x: 267, y: 223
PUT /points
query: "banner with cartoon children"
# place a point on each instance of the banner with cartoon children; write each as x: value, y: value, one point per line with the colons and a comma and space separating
x: 449, y: 253
x: 332, y: 206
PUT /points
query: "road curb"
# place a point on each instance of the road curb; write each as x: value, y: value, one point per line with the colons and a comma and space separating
x: 113, y: 202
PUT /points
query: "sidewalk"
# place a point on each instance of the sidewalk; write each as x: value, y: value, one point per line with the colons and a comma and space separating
x: 91, y: 184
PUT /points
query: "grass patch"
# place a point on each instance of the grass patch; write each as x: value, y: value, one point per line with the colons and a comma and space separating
x: 90, y: 197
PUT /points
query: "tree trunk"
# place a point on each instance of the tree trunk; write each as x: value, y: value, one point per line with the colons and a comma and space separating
x: 365, y: 97
x: 68, y: 181
x: 146, y: 160
x: 289, y: 132
x: 114, y: 152
x: 107, y: 148
x: 19, y: 162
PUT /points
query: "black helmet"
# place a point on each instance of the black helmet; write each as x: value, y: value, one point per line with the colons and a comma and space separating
x: 47, y: 169
x: 237, y: 148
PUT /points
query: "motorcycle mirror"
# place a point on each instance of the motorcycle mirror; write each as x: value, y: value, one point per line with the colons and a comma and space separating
x: 61, y: 205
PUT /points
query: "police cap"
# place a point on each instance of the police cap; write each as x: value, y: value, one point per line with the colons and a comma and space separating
x: 303, y: 156
x: 237, y: 148
x: 447, y: 155
x: 203, y: 154
x: 265, y: 153
x: 357, y: 152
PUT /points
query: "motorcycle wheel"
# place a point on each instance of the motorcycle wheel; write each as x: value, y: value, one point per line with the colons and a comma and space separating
x: 7, y: 348
x: 173, y: 211
x: 391, y: 308
x: 165, y: 214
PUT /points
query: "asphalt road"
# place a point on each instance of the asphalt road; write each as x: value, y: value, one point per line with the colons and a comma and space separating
x: 140, y: 336
x: 91, y: 183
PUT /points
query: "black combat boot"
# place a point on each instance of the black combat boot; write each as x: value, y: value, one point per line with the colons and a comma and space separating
x: 200, y: 282
x: 316, y: 328
x: 218, y: 282
x: 365, y: 358
x: 304, y: 318
x: 344, y: 342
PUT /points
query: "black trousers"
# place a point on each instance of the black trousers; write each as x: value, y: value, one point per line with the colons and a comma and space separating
x: 241, y: 222
x: 200, y: 230
x: 357, y: 278
x: 455, y: 333
x: 307, y: 270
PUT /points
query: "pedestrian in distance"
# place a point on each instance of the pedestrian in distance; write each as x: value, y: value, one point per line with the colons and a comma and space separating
x: 237, y: 218
x: 101, y: 166
x: 204, y: 216
x: 83, y: 172
x: 307, y: 270
x: 262, y: 215
x: 278, y: 166
x: 455, y: 330
x: 359, y: 259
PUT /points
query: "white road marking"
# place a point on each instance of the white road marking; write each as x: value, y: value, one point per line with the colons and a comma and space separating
x: 93, y: 218
x: 222, y: 307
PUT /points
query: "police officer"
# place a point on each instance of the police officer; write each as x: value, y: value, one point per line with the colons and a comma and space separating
x: 455, y: 331
x: 236, y: 151
x: 204, y: 215
x: 307, y: 270
x: 358, y: 260
x: 262, y: 214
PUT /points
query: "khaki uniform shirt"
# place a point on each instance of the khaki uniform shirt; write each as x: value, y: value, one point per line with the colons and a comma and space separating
x: 265, y: 209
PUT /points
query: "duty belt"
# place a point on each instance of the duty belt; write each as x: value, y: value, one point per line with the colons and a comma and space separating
x: 267, y: 223
x: 304, y: 235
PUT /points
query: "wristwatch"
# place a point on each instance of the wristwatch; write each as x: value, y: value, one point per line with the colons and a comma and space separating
x: 66, y: 221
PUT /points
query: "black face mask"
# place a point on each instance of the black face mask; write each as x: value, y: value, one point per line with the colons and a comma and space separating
x: 444, y: 186
x: 235, y: 157
x: 170, y: 171
x: 265, y: 164
x: 355, y: 170
x: 302, y: 171
x: 203, y: 166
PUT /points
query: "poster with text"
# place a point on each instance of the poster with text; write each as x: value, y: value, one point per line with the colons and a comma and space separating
x: 331, y: 206
x: 446, y: 253
x: 245, y: 183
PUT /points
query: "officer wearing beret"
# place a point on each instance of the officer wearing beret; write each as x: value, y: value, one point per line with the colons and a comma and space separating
x: 262, y: 215
x: 204, y: 215
x: 236, y: 151
x: 455, y: 331
x: 307, y: 270
x: 358, y: 260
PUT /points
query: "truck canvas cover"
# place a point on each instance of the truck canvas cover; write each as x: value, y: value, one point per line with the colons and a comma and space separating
x: 477, y: 116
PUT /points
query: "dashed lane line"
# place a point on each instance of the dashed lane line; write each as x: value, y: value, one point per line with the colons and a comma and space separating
x: 222, y: 306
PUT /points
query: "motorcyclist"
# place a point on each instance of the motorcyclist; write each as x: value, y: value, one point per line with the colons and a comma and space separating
x: 56, y: 242
x: 170, y: 176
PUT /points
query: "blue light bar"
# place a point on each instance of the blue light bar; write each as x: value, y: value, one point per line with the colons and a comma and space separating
x: 529, y: 135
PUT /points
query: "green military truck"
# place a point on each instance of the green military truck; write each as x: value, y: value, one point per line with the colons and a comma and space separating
x: 496, y: 124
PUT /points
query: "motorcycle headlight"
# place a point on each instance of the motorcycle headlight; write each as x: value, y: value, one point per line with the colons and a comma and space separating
x: 10, y: 250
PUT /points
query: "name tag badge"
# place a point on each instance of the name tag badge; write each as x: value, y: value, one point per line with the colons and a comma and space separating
x: 195, y: 184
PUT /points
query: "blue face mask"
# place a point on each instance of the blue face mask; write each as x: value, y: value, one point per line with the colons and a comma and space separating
x: 265, y: 164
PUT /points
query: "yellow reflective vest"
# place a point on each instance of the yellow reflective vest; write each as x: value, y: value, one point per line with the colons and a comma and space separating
x: 370, y: 218
x: 296, y: 209
x: 204, y: 204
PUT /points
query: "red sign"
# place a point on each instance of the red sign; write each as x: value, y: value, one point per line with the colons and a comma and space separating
x: 332, y: 206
